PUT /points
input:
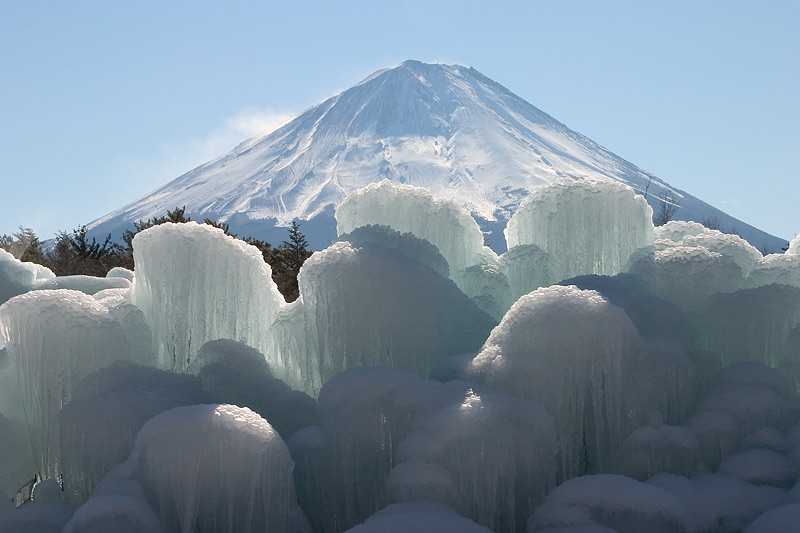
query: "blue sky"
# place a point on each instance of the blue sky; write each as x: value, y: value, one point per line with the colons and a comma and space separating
x: 103, y: 101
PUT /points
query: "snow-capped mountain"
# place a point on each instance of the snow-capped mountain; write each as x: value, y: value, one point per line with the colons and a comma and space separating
x: 447, y: 128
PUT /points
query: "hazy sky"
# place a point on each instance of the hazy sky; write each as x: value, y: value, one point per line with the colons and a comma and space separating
x: 103, y: 101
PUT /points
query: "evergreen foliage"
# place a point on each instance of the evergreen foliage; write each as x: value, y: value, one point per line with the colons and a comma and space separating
x: 74, y: 253
x: 24, y: 245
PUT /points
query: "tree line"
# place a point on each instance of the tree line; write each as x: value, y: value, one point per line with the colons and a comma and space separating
x: 75, y: 253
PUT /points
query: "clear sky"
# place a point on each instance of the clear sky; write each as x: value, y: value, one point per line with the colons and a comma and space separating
x: 103, y: 101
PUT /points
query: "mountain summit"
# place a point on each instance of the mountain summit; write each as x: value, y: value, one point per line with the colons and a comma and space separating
x: 447, y: 128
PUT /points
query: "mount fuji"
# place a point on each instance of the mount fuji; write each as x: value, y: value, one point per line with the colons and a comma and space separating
x: 446, y: 128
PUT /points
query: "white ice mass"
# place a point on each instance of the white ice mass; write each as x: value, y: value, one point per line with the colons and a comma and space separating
x: 602, y: 375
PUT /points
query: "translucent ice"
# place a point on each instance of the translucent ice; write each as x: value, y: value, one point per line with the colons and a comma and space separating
x: 369, y: 305
x: 776, y: 268
x: 739, y: 250
x: 586, y: 227
x: 676, y: 230
x: 196, y: 284
x: 343, y: 466
x: 237, y: 374
x: 54, y: 339
x: 414, y: 210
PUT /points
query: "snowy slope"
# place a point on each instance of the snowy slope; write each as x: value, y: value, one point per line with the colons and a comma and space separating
x: 444, y: 127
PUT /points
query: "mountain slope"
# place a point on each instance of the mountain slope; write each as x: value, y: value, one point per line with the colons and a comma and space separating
x: 446, y: 128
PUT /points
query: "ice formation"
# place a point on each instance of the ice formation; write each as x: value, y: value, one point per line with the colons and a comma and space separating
x: 575, y: 353
x: 419, y: 382
x: 586, y: 227
x: 17, y: 277
x: 98, y: 427
x: 414, y: 210
x: 369, y: 305
x: 420, y: 517
x: 215, y: 468
x: 196, y: 284
x: 54, y: 339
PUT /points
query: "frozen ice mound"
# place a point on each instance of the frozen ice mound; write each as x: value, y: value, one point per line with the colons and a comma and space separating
x: 761, y: 467
x: 781, y: 269
x: 750, y: 324
x: 389, y: 436
x: 499, y: 451
x: 55, y: 338
x: 718, y: 502
x: 783, y: 518
x: 18, y: 277
x: 420, y: 517
x: 739, y: 250
x: 215, y: 468
x: 414, y: 210
x: 195, y: 280
x: 794, y: 246
x: 342, y: 466
x: 614, y: 501
x: 650, y: 450
x: 238, y: 374
x: 371, y: 306
x: 676, y: 230
x: 685, y: 275
x: 86, y: 284
x: 98, y: 427
x: 653, y: 317
x: 581, y: 358
x: 584, y: 226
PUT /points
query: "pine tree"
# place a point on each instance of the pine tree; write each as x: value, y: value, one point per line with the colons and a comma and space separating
x: 24, y: 245
x: 286, y: 261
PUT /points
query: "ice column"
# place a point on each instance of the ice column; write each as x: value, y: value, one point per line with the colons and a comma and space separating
x: 55, y: 338
x: 368, y: 306
x: 586, y: 227
x: 569, y: 350
x: 196, y: 284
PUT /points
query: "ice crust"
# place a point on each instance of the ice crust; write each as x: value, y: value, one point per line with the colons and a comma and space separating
x: 419, y: 382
